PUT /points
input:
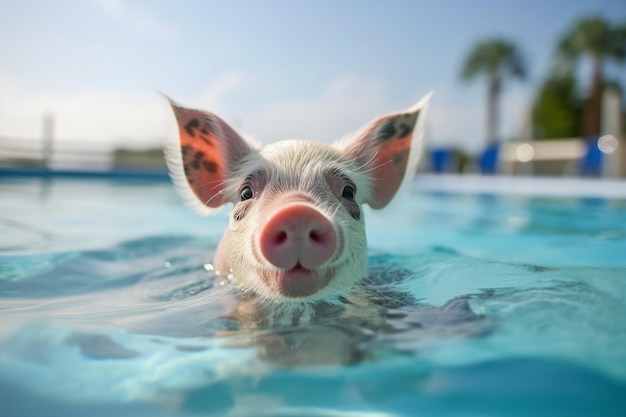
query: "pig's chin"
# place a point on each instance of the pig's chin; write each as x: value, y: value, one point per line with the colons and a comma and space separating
x: 297, y: 282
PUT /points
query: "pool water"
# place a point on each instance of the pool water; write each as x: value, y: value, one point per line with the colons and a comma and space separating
x: 496, y: 305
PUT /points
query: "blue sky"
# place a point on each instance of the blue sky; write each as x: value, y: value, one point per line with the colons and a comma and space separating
x: 275, y: 69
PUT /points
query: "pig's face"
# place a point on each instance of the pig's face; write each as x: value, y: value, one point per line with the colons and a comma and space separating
x: 296, y: 232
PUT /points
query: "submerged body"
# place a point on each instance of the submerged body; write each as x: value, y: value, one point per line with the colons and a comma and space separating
x: 296, y: 233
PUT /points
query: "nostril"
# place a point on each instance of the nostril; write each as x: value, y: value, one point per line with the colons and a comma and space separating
x: 317, y: 236
x: 280, y: 237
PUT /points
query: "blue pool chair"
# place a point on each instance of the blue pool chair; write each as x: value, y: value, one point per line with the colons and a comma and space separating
x: 441, y: 160
x: 591, y: 161
x: 489, y: 159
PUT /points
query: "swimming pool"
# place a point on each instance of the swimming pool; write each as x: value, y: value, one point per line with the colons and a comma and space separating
x: 108, y: 306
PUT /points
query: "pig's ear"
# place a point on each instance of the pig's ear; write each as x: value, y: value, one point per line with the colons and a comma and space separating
x: 388, y: 150
x: 201, y: 159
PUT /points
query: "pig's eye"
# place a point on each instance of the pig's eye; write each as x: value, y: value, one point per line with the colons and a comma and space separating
x: 246, y: 194
x: 348, y: 193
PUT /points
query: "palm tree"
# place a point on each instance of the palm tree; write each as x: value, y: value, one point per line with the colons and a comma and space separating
x: 558, y: 108
x: 597, y: 39
x: 496, y: 59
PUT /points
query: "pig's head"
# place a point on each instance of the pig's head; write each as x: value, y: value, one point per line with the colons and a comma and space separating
x: 296, y: 231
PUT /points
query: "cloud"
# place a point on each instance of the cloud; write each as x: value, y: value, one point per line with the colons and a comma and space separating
x: 102, y: 117
x: 211, y: 97
x: 138, y: 118
x: 343, y: 106
x: 140, y: 20
x: 99, y: 117
x: 457, y: 117
x: 451, y: 124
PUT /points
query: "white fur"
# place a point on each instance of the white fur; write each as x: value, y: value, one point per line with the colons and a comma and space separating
x: 308, y: 160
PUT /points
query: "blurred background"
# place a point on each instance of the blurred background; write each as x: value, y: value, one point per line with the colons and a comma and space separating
x: 521, y: 88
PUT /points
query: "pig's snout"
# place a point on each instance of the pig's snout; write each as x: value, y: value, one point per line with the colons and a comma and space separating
x: 298, y: 235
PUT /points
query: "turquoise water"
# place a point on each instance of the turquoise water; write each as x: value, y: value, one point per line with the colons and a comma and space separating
x: 500, y: 305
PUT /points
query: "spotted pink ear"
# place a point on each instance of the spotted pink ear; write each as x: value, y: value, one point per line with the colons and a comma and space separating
x: 389, y: 149
x: 209, y: 148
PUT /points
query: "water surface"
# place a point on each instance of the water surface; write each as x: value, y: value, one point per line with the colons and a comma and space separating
x: 504, y: 305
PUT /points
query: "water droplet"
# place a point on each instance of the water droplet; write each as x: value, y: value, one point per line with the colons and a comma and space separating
x: 168, y: 264
x: 209, y: 267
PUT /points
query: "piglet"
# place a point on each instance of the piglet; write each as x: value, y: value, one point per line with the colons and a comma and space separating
x: 296, y: 232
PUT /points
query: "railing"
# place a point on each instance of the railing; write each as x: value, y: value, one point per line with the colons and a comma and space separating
x: 26, y: 152
x: 556, y: 158
x: 40, y: 157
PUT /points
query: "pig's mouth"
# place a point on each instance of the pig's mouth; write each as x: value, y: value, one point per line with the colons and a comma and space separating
x: 298, y: 281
